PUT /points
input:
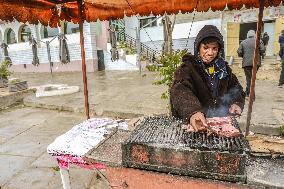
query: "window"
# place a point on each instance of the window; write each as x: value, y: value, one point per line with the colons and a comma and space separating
x: 70, y: 28
x: 146, y: 21
x: 11, y: 36
x: 47, y: 31
x: 25, y: 33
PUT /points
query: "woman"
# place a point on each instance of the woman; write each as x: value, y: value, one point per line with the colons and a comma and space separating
x: 204, y: 85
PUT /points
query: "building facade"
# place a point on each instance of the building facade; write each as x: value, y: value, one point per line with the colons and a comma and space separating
x: 184, y: 33
x: 17, y: 34
x: 236, y: 24
x: 233, y: 25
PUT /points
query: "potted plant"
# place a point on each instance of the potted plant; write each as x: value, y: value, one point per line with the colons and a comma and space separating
x: 16, y: 84
x: 4, y: 73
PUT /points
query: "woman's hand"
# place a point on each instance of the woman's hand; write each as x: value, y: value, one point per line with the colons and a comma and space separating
x: 235, y: 110
x: 198, y: 121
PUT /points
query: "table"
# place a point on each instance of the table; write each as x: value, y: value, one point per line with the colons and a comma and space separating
x: 82, y: 144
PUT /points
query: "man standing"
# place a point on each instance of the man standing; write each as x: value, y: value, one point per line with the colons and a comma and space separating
x: 281, y: 38
x: 281, y: 54
x: 265, y: 39
x: 246, y: 51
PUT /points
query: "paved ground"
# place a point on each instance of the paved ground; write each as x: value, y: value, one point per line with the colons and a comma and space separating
x: 25, y: 132
x: 110, y: 93
x: 128, y: 94
x: 24, y: 136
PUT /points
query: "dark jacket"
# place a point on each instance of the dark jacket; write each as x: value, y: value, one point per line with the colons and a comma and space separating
x: 281, y: 52
x: 281, y: 39
x: 246, y: 51
x: 191, y: 92
x: 265, y: 39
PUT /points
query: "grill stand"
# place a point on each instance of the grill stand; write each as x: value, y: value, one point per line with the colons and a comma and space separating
x: 159, y: 144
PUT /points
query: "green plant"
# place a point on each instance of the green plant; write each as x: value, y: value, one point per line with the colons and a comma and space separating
x: 56, y: 168
x: 281, y: 130
x: 14, y: 81
x: 4, y: 69
x: 142, y: 58
x: 169, y: 63
x: 122, y: 44
x: 130, y: 51
x: 152, y: 68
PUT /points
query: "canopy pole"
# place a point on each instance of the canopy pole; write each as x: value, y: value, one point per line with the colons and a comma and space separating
x: 81, y: 11
x: 254, y: 67
x: 138, y: 47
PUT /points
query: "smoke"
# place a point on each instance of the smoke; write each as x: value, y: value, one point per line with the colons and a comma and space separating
x: 226, y: 101
x: 230, y: 95
x: 220, y: 111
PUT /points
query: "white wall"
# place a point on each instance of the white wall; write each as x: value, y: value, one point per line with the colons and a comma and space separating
x: 156, y: 33
x: 182, y: 30
x: 21, y: 53
x: 130, y: 24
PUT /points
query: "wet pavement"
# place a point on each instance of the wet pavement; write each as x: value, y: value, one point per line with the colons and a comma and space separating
x: 25, y: 131
x: 129, y: 94
x: 111, y: 93
x: 25, y: 134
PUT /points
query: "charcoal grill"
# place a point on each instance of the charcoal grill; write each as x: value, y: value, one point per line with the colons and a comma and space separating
x: 159, y: 143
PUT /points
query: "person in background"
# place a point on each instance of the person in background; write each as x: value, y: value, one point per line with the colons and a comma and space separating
x: 281, y: 38
x: 204, y: 85
x: 281, y: 79
x: 265, y: 40
x: 246, y: 51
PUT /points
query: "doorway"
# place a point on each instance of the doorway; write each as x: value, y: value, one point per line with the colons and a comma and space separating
x: 269, y: 28
x: 244, y: 28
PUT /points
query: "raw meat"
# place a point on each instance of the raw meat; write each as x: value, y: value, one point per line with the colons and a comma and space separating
x: 221, y: 126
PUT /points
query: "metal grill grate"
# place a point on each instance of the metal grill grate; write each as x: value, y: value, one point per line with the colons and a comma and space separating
x: 168, y: 131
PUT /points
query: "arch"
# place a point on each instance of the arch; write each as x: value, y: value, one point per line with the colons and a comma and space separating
x: 10, y: 36
x: 24, y: 33
x: 46, y: 31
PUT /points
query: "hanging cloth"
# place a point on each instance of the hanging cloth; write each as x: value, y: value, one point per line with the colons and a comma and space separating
x: 35, y: 61
x: 64, y: 55
x: 4, y: 46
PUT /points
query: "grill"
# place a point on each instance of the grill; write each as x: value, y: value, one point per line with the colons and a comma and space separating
x: 168, y: 131
x: 160, y: 143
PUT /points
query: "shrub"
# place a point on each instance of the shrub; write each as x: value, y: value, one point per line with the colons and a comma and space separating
x: 122, y: 44
x: 281, y: 130
x: 167, y: 67
x: 14, y: 81
x: 4, y: 69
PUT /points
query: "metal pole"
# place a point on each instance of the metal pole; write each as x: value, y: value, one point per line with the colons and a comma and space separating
x: 138, y: 46
x: 81, y: 11
x: 255, y: 61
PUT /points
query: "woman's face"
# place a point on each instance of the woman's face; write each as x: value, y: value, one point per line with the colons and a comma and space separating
x: 208, y: 52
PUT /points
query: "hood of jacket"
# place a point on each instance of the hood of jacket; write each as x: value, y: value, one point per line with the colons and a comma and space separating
x: 209, y: 31
x: 250, y: 34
